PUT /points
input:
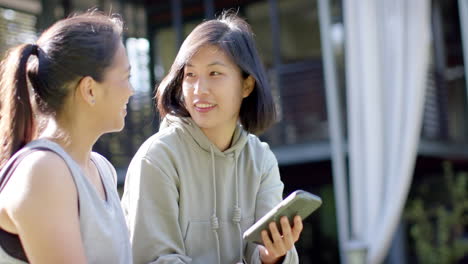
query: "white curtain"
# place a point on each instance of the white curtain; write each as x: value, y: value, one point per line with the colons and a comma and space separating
x: 387, y: 56
x: 463, y: 13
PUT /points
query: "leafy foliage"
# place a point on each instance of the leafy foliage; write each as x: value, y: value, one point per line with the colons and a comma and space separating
x: 438, y: 218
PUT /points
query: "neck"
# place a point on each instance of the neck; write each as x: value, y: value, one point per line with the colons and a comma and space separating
x: 76, y: 142
x: 220, y: 137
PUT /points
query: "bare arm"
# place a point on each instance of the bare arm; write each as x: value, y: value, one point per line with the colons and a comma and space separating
x: 43, y: 207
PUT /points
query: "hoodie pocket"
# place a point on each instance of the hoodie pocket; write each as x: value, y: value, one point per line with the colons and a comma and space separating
x: 200, y: 242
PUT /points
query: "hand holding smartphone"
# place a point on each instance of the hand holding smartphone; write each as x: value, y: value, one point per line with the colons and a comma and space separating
x: 300, y: 203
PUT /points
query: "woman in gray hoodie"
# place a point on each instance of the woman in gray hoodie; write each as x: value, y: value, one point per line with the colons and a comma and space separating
x: 193, y: 188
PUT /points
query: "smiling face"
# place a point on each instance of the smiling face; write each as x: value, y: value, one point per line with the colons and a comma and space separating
x: 213, y: 89
x: 116, y: 91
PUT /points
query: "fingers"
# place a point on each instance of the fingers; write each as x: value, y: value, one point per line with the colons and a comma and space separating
x: 274, y: 244
x: 297, y: 229
x: 288, y: 238
x: 277, y: 238
x: 279, y: 244
x: 267, y: 241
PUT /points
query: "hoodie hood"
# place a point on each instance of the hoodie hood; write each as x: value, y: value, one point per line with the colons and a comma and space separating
x: 192, y: 132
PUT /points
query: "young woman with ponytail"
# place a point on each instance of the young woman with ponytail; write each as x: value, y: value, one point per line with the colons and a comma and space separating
x: 58, y: 199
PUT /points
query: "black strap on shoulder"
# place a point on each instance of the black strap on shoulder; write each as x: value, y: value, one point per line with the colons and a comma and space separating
x: 9, y: 242
x: 8, y: 171
x: 10, y: 167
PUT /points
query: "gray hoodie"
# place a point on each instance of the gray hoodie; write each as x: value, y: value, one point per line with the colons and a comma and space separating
x: 185, y: 201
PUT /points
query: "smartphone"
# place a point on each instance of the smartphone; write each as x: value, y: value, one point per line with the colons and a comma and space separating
x: 300, y: 203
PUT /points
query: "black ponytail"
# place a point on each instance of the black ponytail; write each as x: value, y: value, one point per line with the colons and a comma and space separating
x: 17, y: 126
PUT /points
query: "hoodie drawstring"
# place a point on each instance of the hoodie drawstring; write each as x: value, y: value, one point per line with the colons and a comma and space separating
x: 214, y: 217
x: 237, y: 213
x: 237, y: 210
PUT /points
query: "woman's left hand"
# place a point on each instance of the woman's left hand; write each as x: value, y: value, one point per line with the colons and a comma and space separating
x: 280, y: 244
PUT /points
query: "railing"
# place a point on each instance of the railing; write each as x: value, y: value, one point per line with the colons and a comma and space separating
x: 445, y: 111
x: 300, y: 90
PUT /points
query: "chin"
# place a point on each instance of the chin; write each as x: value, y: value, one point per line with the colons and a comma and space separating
x: 203, y: 123
x: 116, y: 128
x: 120, y: 128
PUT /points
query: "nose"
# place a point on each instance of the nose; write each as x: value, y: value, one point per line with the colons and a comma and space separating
x: 200, y: 87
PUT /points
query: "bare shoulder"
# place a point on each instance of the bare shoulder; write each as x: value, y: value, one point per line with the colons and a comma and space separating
x: 41, y: 178
x: 42, y: 205
x: 43, y: 168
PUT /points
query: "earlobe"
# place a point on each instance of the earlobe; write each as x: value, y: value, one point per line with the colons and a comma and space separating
x: 87, y: 90
x: 248, y: 86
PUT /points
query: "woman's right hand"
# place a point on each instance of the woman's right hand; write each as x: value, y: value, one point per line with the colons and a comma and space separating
x: 279, y: 244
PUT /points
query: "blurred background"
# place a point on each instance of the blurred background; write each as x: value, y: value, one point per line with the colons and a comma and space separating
x: 303, y: 44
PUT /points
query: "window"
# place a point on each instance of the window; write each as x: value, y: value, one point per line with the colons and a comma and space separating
x: 299, y: 30
x: 16, y: 28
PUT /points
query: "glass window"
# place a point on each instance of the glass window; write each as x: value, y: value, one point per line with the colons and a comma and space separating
x: 257, y: 15
x: 15, y: 28
x: 189, y: 26
x: 165, y: 51
x: 446, y: 99
x: 138, y: 55
x: 299, y: 30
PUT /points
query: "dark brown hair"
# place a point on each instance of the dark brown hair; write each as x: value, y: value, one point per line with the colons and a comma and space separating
x: 72, y: 48
x: 234, y: 36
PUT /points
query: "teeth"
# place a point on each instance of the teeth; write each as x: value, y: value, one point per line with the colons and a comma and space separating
x: 204, y: 105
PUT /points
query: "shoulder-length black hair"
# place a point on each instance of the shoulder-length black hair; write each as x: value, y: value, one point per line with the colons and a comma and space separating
x: 234, y: 36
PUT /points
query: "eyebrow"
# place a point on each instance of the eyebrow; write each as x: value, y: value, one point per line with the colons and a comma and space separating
x: 211, y: 64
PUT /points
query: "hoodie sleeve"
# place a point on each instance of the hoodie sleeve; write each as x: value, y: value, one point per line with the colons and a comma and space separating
x: 150, y: 204
x: 268, y: 196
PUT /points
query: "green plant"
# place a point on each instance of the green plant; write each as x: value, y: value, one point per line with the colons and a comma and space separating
x: 438, y: 218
